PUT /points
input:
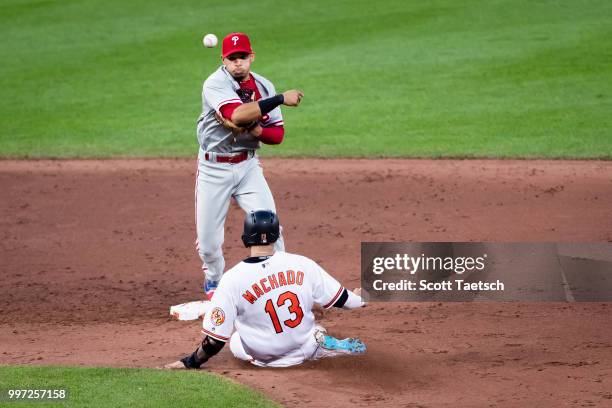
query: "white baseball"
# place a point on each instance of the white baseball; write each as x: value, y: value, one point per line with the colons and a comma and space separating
x: 210, y: 41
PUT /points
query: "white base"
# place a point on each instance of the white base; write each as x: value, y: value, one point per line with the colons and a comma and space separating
x: 190, y: 310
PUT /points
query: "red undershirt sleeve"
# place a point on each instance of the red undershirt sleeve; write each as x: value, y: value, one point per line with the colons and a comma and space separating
x: 269, y: 135
x: 272, y: 134
x: 228, y: 109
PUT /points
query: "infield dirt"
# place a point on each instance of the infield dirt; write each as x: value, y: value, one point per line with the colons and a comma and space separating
x: 94, y: 252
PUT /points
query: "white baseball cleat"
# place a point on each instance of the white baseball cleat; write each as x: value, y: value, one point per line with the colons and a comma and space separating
x: 210, y: 287
x: 190, y: 310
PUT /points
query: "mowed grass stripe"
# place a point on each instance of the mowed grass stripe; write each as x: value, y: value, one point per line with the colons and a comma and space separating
x: 122, y: 387
x: 391, y: 78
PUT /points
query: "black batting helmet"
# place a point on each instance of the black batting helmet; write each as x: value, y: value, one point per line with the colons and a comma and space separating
x: 260, y: 228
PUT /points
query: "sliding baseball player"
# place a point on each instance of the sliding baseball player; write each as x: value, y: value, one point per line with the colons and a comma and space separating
x: 268, y: 299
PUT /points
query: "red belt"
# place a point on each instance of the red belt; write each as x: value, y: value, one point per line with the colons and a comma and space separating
x: 239, y: 158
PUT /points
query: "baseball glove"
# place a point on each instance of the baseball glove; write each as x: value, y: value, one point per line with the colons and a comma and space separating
x: 228, y: 124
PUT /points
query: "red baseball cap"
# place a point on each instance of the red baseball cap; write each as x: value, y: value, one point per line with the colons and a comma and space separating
x: 235, y: 42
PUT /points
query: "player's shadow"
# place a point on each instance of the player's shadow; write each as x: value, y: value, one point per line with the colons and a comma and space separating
x: 378, y: 369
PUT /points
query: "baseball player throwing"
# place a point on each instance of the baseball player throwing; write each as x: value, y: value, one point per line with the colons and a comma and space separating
x: 240, y: 110
x: 268, y: 298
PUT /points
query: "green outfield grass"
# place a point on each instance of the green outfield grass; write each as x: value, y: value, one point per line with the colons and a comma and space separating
x: 391, y: 78
x: 121, y: 387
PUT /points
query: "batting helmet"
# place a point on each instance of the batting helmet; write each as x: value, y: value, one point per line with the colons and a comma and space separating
x: 260, y: 228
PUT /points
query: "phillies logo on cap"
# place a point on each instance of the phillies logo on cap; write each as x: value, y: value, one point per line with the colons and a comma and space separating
x: 236, y: 42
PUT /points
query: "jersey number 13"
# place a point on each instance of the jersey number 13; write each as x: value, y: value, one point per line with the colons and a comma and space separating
x: 294, y: 308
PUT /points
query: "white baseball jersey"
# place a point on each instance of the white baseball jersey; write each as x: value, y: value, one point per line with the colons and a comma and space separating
x: 269, y: 302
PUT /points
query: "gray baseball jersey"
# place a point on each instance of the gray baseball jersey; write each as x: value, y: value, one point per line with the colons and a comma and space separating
x: 217, y: 182
x: 220, y: 89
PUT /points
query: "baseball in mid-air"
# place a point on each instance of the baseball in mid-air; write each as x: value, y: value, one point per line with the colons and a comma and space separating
x: 210, y: 41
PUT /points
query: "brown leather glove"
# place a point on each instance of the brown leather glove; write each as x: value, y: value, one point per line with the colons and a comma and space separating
x: 228, y: 124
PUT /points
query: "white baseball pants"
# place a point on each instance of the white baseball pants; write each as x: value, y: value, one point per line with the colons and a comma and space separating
x: 309, y: 351
x: 216, y: 183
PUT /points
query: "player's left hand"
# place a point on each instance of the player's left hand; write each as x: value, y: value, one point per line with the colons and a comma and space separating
x: 359, y: 293
x: 177, y: 365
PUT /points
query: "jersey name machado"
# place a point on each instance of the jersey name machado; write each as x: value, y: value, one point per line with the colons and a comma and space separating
x: 270, y: 302
x: 271, y: 282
